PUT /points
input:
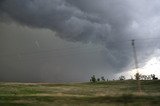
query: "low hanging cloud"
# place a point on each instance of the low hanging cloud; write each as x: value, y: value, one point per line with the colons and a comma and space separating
x: 71, y: 20
x: 110, y: 23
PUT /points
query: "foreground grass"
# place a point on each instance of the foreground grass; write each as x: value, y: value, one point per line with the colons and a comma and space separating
x: 110, y: 93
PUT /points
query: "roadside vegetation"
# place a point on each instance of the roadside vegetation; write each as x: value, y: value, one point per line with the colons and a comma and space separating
x: 103, y: 93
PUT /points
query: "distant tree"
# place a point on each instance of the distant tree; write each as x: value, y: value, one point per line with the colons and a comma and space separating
x: 146, y: 77
x: 154, y: 77
x: 143, y: 77
x: 98, y: 79
x: 93, y: 79
x: 137, y: 76
x: 102, y: 78
x: 149, y: 77
x: 122, y: 78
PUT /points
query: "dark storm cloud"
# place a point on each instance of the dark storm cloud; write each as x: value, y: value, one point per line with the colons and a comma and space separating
x: 83, y: 20
x: 106, y: 22
x: 86, y: 21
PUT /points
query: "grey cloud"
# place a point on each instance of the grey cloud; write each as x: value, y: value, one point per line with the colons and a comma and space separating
x: 68, y: 20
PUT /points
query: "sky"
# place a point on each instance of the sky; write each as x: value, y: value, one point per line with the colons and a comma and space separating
x: 71, y: 40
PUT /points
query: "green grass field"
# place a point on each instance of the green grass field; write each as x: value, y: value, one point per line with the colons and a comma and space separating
x: 112, y: 93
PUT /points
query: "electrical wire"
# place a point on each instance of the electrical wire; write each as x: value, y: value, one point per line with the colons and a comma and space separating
x: 111, y: 45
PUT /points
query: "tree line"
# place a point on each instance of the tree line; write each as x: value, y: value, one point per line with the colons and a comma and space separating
x: 137, y: 77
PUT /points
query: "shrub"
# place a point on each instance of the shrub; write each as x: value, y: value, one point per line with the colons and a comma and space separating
x: 122, y: 78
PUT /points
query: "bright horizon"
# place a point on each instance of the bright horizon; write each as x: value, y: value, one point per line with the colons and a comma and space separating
x: 152, y: 66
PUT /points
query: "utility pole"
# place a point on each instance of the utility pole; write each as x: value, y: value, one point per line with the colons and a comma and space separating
x: 136, y: 66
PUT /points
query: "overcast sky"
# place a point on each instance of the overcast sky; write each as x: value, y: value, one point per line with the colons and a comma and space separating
x: 71, y: 40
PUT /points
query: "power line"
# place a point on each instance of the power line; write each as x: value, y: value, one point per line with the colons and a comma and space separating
x: 114, y: 45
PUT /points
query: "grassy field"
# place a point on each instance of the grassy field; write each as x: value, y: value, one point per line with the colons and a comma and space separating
x: 112, y: 93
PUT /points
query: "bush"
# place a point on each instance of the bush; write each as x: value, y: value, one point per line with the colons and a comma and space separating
x: 154, y: 77
x: 122, y: 78
x: 93, y: 79
x: 102, y: 79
